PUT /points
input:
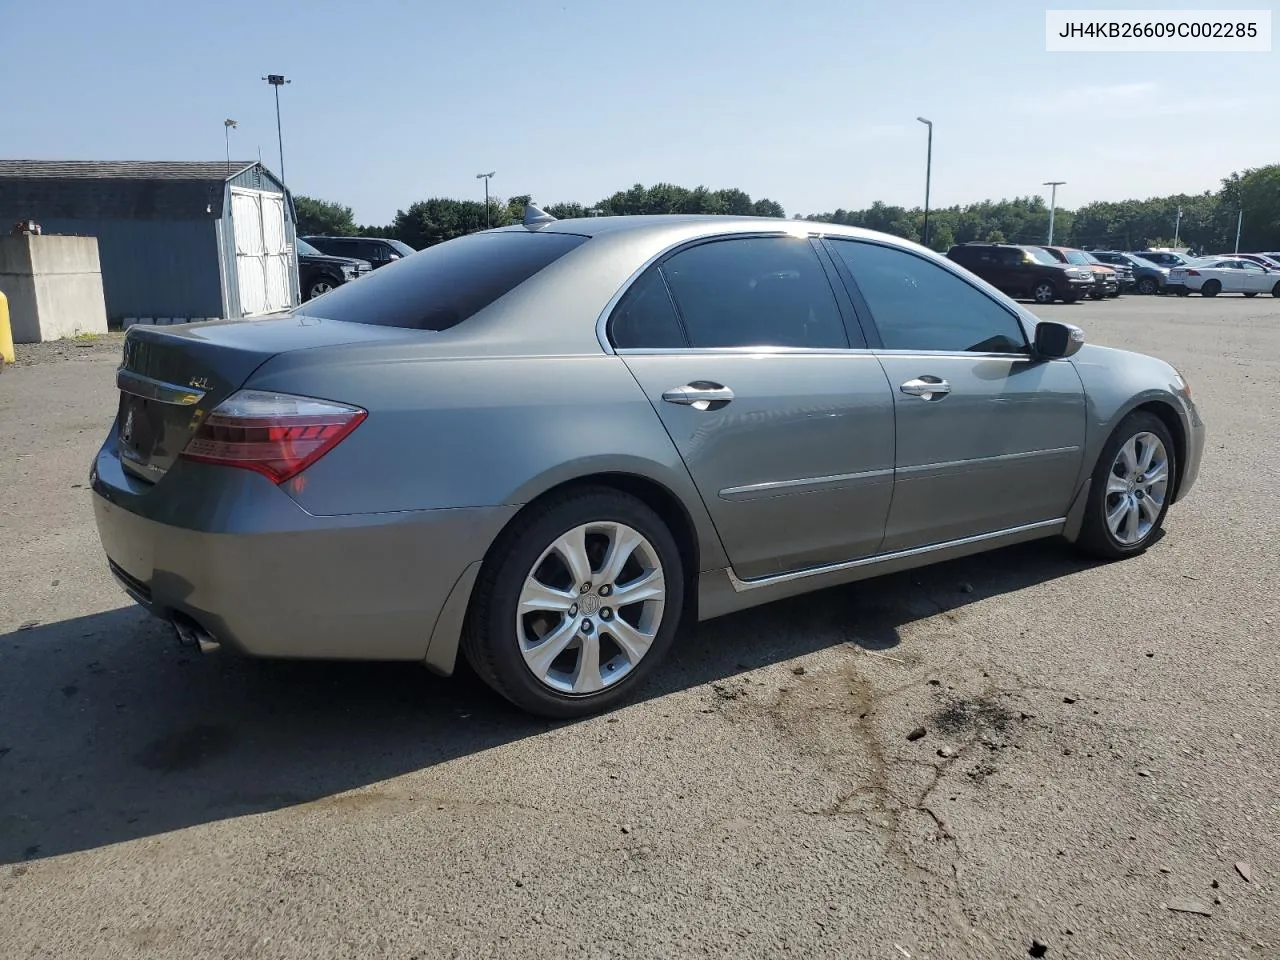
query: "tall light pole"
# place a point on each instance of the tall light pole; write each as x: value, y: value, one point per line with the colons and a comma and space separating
x: 1239, y: 224
x: 228, y: 126
x: 1177, y: 226
x: 277, y: 81
x: 928, y: 176
x: 1053, y: 203
x: 485, y: 177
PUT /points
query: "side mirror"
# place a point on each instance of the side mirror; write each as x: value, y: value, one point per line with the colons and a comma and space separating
x: 1057, y: 341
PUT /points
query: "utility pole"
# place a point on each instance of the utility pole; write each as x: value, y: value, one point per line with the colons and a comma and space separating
x: 1239, y: 224
x: 228, y: 126
x: 278, y: 81
x: 928, y: 176
x: 1177, y: 227
x: 1053, y: 203
x: 485, y: 177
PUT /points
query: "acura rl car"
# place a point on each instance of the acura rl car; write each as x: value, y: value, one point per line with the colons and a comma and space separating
x: 547, y: 446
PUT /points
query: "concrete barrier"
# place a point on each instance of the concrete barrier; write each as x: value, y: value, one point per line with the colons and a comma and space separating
x: 54, y: 286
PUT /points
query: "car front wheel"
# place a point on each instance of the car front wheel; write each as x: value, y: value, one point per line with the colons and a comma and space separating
x: 319, y: 287
x: 1130, y: 490
x: 580, y: 598
x: 1044, y: 292
x: 1147, y: 286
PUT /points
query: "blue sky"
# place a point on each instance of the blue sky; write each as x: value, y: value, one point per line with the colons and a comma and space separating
x: 811, y: 103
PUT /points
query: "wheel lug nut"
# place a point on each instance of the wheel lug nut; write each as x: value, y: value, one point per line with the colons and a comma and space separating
x: 573, y: 611
x: 606, y: 590
x: 587, y: 626
x: 606, y: 614
x: 585, y: 588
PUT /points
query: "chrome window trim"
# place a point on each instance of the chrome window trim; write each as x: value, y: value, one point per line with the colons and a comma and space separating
x: 740, y: 585
x: 602, y: 321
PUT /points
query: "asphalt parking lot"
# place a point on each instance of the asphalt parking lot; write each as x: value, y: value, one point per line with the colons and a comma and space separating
x: 1101, y: 751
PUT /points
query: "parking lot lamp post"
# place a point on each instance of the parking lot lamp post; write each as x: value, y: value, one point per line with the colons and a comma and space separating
x: 228, y: 126
x: 1053, y: 203
x: 485, y: 177
x: 928, y: 175
x: 277, y: 81
x: 1239, y: 224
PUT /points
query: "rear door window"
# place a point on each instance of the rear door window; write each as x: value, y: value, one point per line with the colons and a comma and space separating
x: 755, y: 292
x: 444, y: 285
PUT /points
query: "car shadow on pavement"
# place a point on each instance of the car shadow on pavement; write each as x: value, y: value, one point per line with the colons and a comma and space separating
x: 112, y: 732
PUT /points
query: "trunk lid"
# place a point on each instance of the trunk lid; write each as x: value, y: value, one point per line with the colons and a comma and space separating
x: 171, y: 377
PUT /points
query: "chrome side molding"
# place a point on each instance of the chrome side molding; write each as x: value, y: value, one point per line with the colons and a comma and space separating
x: 740, y: 585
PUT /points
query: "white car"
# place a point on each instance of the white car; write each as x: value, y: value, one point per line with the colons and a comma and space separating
x: 1211, y: 276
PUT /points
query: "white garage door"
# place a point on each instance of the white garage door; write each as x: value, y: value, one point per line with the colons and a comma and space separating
x: 262, y: 251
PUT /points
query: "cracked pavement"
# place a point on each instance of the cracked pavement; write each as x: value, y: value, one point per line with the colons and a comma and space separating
x: 1100, y: 741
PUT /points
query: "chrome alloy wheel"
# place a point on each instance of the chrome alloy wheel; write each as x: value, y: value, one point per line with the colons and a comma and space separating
x: 591, y: 607
x: 1136, y: 488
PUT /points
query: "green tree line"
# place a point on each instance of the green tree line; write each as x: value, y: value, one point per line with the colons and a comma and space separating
x: 1208, y: 221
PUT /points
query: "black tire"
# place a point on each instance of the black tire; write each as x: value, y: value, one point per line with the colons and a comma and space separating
x: 1096, y: 294
x: 1096, y: 538
x: 490, y: 642
x: 1147, y: 286
x: 1211, y: 288
x: 1044, y: 292
x: 320, y: 286
x: 1275, y: 291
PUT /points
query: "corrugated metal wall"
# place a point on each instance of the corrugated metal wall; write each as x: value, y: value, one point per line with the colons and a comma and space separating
x: 154, y: 268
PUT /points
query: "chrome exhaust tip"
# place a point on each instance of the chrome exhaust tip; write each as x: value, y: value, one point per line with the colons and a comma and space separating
x: 193, y: 635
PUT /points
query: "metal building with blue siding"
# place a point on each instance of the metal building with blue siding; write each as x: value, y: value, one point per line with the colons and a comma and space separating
x: 183, y: 241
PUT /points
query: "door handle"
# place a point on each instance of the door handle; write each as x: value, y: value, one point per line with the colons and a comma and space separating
x: 701, y: 395
x: 927, y: 388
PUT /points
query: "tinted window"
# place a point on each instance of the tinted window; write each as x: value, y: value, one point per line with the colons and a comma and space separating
x: 1012, y: 258
x: 646, y: 317
x: 752, y: 292
x: 919, y: 305
x: 1043, y: 256
x: 1076, y: 256
x: 306, y: 250
x: 445, y: 284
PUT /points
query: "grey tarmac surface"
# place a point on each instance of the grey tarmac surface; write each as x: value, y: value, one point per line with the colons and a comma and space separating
x: 1101, y: 742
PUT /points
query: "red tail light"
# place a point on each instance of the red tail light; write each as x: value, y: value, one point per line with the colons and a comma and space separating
x: 1193, y: 273
x: 276, y: 434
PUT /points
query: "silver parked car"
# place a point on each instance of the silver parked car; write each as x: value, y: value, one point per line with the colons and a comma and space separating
x: 550, y: 444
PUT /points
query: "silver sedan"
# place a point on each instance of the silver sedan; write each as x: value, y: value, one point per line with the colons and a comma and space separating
x: 551, y: 445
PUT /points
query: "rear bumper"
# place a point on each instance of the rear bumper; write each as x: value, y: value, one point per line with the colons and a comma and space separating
x: 259, y: 574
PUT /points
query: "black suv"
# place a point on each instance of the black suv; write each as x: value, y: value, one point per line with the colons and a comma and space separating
x: 378, y: 251
x: 1023, y: 272
x: 319, y: 273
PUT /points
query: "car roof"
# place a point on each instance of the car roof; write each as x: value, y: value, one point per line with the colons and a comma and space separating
x: 652, y: 226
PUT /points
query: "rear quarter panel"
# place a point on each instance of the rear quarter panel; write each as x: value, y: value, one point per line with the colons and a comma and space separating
x: 457, y: 431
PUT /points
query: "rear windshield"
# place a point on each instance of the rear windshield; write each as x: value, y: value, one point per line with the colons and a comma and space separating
x: 446, y: 284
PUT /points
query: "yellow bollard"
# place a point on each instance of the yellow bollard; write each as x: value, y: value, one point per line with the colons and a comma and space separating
x: 6, y: 332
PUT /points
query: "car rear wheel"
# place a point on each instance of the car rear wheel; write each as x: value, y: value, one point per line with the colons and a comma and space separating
x: 1147, y: 286
x: 580, y: 599
x: 1211, y: 288
x: 1044, y: 292
x: 1130, y: 490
